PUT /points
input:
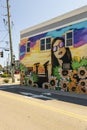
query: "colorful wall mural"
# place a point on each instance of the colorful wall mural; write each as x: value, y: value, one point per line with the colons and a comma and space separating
x: 56, y: 59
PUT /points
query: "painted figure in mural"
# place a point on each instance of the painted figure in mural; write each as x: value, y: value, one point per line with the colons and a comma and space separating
x: 60, y: 54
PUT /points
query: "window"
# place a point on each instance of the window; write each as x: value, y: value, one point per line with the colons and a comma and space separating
x: 69, y: 38
x: 48, y: 43
x: 28, y: 47
x: 45, y: 44
x: 42, y: 44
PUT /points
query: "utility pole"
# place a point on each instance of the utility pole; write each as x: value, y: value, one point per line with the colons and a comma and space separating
x: 10, y: 40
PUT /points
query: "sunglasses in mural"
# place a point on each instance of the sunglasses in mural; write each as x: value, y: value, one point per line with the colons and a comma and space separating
x: 56, y: 48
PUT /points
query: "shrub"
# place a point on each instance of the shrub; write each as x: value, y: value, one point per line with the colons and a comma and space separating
x: 56, y: 73
x: 6, y: 80
x: 82, y: 62
x: 5, y: 75
x: 35, y: 77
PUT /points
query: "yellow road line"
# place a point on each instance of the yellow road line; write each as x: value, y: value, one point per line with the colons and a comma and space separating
x: 34, y: 103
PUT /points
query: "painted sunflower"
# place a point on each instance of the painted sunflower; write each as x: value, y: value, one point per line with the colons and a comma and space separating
x: 23, y: 82
x: 64, y: 73
x: 82, y: 72
x: 82, y: 83
x: 35, y: 85
x: 30, y: 82
x: 82, y: 89
x: 74, y: 76
x: 64, y: 85
x: 53, y: 82
x: 72, y: 87
x: 46, y: 85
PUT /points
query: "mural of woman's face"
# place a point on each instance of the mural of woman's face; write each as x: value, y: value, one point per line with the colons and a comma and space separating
x: 59, y: 49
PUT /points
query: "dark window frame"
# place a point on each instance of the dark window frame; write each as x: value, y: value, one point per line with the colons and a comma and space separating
x: 45, y: 44
x: 28, y: 47
x: 69, y: 38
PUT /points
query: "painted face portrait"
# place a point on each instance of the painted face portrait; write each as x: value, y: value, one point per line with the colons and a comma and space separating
x: 59, y: 49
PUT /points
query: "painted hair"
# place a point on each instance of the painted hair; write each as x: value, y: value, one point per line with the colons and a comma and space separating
x: 67, y: 57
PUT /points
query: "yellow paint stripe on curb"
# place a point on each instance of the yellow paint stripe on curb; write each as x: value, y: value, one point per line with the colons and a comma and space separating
x: 34, y: 103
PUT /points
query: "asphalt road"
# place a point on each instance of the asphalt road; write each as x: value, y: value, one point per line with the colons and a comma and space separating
x: 43, y: 94
x: 18, y: 112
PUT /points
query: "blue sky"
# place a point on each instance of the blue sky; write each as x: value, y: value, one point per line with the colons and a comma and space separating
x: 27, y: 13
